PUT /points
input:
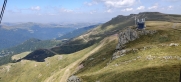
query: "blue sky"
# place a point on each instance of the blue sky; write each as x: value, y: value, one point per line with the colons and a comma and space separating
x: 76, y: 11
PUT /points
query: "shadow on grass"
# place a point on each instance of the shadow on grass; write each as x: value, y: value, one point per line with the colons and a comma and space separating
x: 38, y: 55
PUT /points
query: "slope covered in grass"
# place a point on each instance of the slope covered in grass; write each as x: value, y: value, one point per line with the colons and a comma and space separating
x: 54, y: 69
x: 153, y: 59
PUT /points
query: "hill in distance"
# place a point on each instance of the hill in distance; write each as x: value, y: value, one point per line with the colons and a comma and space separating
x: 76, y: 32
x: 12, y: 34
x: 27, y: 46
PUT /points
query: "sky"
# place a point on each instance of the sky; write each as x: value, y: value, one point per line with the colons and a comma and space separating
x: 77, y: 11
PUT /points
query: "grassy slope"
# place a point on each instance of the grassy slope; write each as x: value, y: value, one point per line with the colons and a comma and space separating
x: 156, y: 64
x: 56, y: 68
x: 19, y: 56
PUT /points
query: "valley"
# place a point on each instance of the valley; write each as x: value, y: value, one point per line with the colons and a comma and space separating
x: 13, y: 34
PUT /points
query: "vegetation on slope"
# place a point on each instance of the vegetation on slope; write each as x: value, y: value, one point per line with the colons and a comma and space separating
x: 56, y: 68
x: 155, y: 59
x: 29, y: 45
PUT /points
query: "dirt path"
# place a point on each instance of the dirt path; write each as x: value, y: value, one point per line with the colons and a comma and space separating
x: 52, y: 52
x: 64, y: 73
x: 174, y: 24
x: 83, y: 38
x: 67, y: 72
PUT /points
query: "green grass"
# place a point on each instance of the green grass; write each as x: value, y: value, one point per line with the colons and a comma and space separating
x: 140, y: 70
x: 148, y: 65
x: 28, y: 71
x: 19, y: 56
x: 52, y: 69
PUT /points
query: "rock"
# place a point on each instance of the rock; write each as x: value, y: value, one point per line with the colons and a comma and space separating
x: 115, y: 56
x: 91, y: 59
x: 80, y: 66
x: 73, y: 79
x: 127, y: 35
x: 130, y: 34
x: 174, y: 44
x: 119, y: 53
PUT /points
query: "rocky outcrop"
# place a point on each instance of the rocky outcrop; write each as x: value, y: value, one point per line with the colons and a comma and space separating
x: 127, y: 35
x: 120, y: 53
x: 73, y: 79
x: 130, y: 34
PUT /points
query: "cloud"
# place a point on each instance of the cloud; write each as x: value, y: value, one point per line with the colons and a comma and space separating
x: 171, y: 0
x: 109, y: 11
x: 91, y: 3
x: 152, y: 7
x: 116, y: 3
x: 66, y: 10
x: 155, y: 6
x: 128, y: 9
x: 36, y: 8
x: 170, y: 7
x: 92, y: 12
x: 141, y: 8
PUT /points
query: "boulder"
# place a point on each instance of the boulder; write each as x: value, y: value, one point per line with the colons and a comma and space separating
x: 73, y: 79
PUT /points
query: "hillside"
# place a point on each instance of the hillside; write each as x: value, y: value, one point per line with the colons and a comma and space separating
x: 58, y: 67
x: 28, y: 46
x: 76, y: 32
x: 147, y: 59
x: 112, y: 52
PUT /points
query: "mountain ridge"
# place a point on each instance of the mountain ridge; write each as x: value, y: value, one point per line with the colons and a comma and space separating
x: 12, y: 35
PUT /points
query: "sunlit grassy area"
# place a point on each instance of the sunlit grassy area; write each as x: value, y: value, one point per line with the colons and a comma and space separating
x: 19, y: 56
x: 57, y: 68
x: 158, y: 62
x: 28, y: 71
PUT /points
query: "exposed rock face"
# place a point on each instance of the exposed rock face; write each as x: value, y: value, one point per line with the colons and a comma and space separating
x: 73, y: 79
x: 128, y: 34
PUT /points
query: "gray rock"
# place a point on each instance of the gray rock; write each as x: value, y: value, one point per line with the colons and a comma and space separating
x: 130, y: 34
x: 174, y: 44
x: 91, y: 59
x: 73, y: 79
x: 127, y: 35
x: 118, y: 54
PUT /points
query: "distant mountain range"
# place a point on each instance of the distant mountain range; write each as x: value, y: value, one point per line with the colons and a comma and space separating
x: 12, y: 34
x: 76, y: 32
